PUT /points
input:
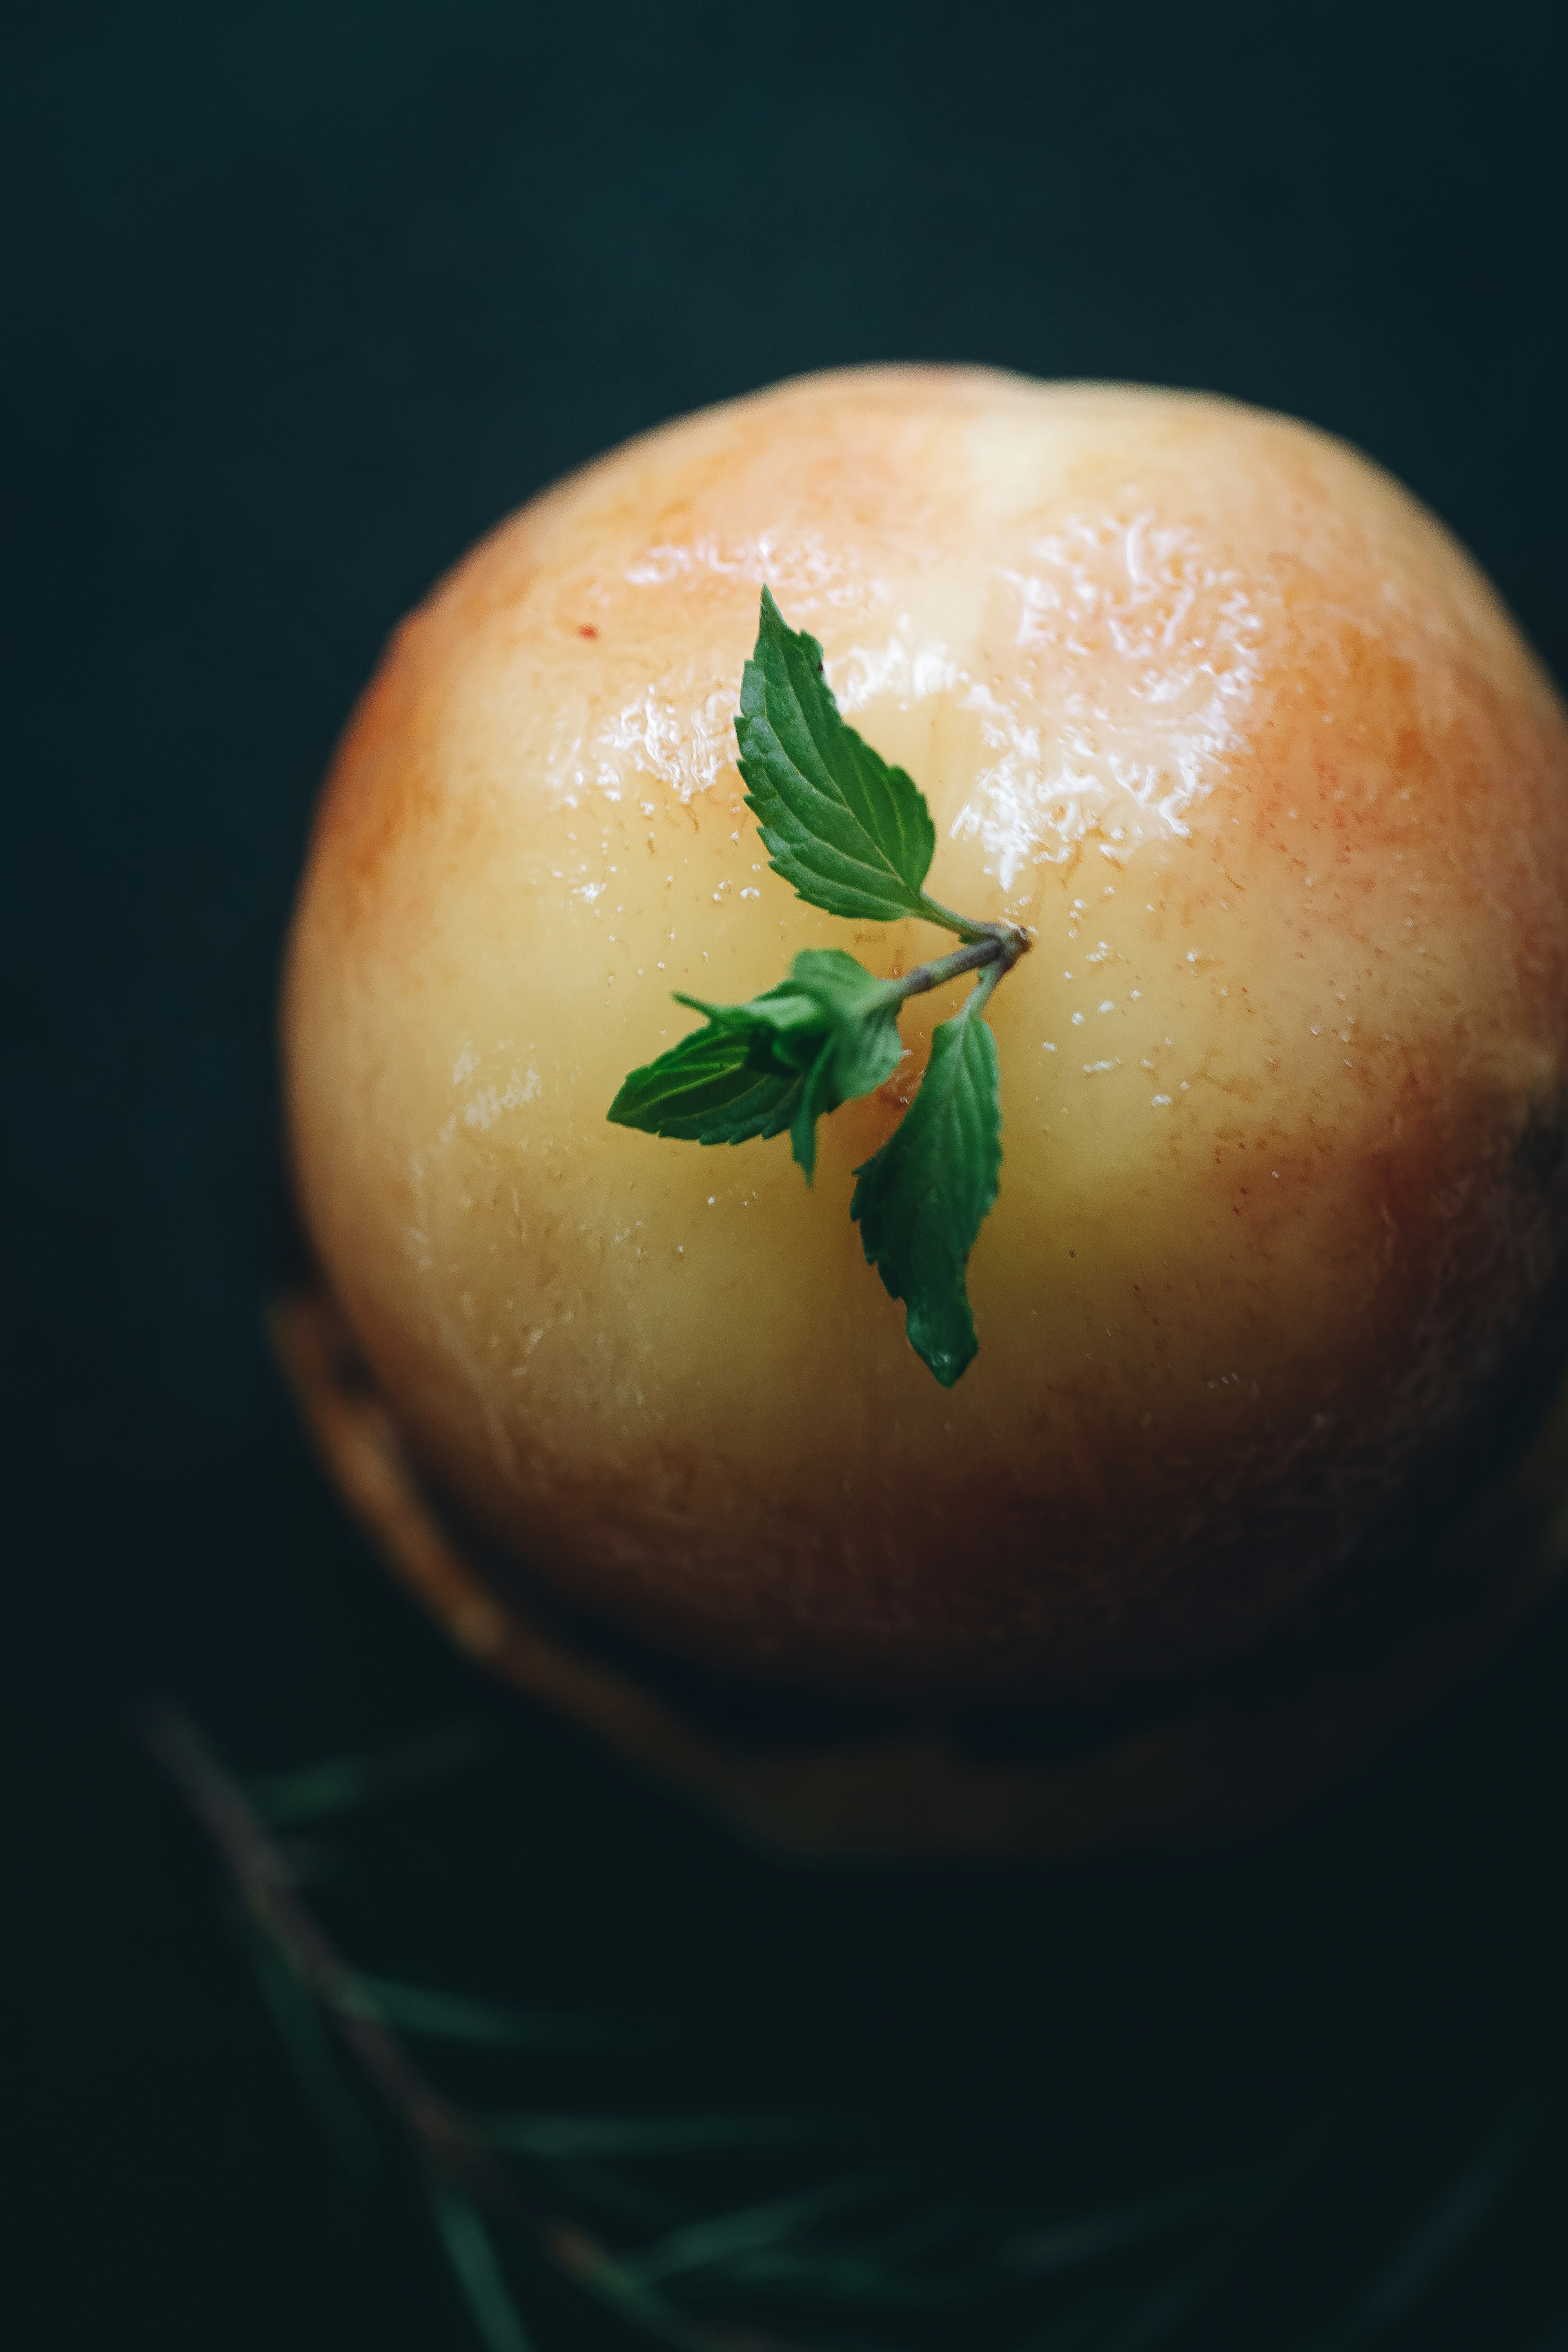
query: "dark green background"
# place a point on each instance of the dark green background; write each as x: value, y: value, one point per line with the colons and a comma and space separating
x: 298, y: 300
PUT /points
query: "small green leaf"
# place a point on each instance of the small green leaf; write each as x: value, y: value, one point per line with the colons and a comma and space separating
x: 843, y: 990
x: 459, y: 2017
x: 476, y: 2267
x: 313, y: 2054
x: 828, y: 1032
x: 565, y: 2137
x: 862, y: 1046
x: 922, y: 1200
x: 705, y: 2243
x: 1440, y: 2239
x: 852, y: 833
x: 341, y: 1784
x: 783, y: 1025
x: 711, y: 1089
x: 1073, y: 2240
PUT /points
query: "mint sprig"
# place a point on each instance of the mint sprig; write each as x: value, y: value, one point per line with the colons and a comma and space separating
x: 856, y: 838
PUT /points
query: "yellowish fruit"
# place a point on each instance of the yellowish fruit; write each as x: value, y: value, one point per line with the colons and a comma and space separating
x: 1231, y: 723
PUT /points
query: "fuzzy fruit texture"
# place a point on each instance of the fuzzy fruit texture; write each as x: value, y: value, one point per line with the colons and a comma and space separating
x: 1194, y: 692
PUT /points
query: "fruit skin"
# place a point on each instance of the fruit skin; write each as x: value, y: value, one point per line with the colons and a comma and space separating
x: 1239, y: 730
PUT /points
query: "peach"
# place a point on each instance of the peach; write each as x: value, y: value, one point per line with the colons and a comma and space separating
x: 1218, y: 710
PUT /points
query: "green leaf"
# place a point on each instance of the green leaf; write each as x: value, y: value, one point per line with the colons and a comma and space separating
x: 1072, y: 2241
x: 476, y: 2267
x: 711, y: 1089
x: 1440, y: 2239
x: 828, y: 1032
x: 853, y: 834
x: 1118, y: 2317
x: 459, y: 2017
x: 844, y: 992
x: 313, y: 2055
x: 341, y: 1784
x: 922, y: 1200
x: 565, y: 2137
x: 862, y: 1046
x: 705, y: 2243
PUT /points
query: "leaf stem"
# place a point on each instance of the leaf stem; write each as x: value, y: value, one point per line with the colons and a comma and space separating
x: 993, y: 948
x: 935, y: 912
